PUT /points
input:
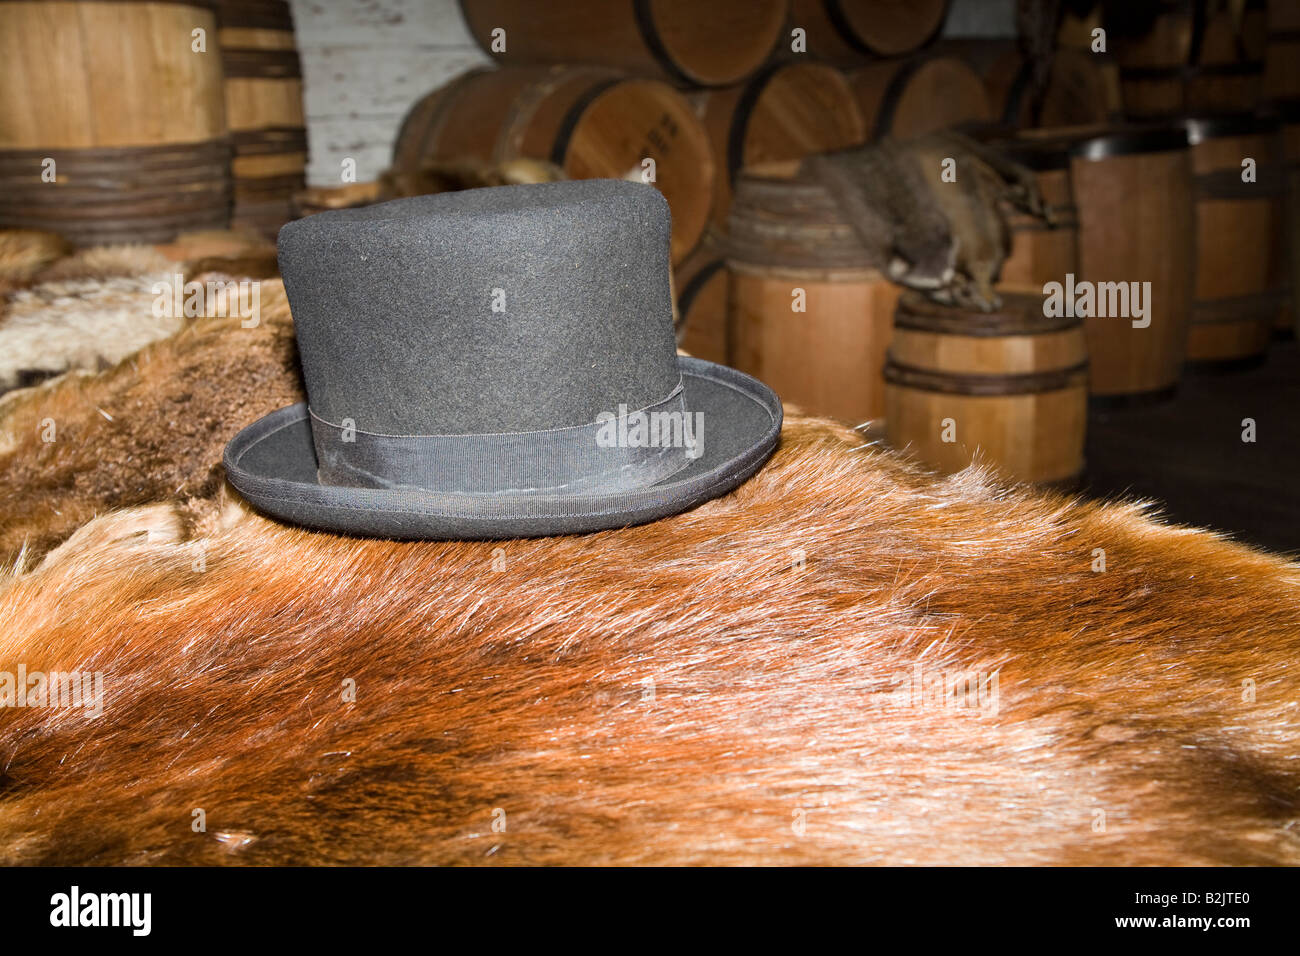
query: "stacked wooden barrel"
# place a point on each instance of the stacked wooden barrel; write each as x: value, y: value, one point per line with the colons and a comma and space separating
x: 701, y: 289
x: 263, y: 89
x: 809, y: 312
x: 1183, y: 56
x: 1008, y: 388
x: 112, y: 120
x: 847, y: 32
x: 590, y: 121
x: 1238, y: 292
x: 683, y: 42
x: 787, y: 111
x: 910, y: 97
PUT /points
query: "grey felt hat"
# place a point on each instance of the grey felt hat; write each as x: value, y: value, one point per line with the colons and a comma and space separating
x: 495, y: 363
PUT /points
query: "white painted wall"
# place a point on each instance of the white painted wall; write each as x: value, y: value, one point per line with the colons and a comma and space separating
x: 365, y: 62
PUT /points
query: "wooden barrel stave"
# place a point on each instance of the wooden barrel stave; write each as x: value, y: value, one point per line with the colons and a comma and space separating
x: 701, y: 289
x: 850, y: 32
x: 906, y: 98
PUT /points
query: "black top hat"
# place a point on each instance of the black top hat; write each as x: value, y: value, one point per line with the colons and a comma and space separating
x: 496, y: 363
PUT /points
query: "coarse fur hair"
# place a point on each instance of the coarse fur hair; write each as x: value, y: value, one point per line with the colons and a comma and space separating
x: 719, y: 687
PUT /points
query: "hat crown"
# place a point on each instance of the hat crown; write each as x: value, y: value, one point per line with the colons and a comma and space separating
x: 509, y: 309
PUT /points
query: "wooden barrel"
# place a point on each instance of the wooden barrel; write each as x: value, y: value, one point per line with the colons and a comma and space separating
x: 1075, y: 33
x: 788, y: 111
x: 1042, y: 252
x: 849, y: 32
x: 111, y: 128
x: 591, y: 122
x: 906, y: 98
x: 1238, y: 296
x: 1181, y: 56
x: 1078, y: 91
x: 810, y: 314
x: 1133, y: 230
x: 684, y: 42
x: 701, y: 288
x: 1008, y: 388
x: 1282, y: 51
x: 263, y: 110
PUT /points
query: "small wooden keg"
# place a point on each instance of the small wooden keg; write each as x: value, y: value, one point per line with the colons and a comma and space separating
x: 1042, y: 252
x: 592, y: 122
x: 112, y: 127
x: 1181, y: 56
x: 849, y: 32
x: 906, y: 98
x: 810, y: 313
x: 1007, y: 388
x: 788, y: 111
x: 1238, y: 295
x: 263, y: 109
x: 683, y: 42
x: 1131, y: 231
x: 700, y: 284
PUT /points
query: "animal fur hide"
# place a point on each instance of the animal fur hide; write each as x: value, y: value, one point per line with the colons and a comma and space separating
x: 742, y: 683
x: 148, y: 430
x: 92, y: 309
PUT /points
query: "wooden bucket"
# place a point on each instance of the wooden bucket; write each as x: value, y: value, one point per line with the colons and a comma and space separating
x: 684, y: 42
x: 1130, y: 231
x: 1181, y: 57
x: 849, y: 32
x: 591, y: 122
x: 263, y: 110
x: 111, y: 128
x: 1008, y: 388
x: 1238, y: 295
x: 906, y: 98
x: 701, y: 288
x: 810, y: 314
x: 1042, y: 253
x: 786, y: 112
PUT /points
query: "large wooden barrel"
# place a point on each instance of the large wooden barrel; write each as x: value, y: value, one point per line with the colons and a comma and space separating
x: 263, y: 110
x: 1282, y: 51
x: 1133, y: 192
x: 684, y: 42
x: 1182, y: 56
x: 1042, y: 252
x: 1078, y: 91
x: 112, y: 129
x: 848, y: 32
x: 1238, y: 295
x: 591, y: 122
x: 788, y: 111
x: 1008, y: 388
x: 700, y: 284
x: 810, y: 314
x: 906, y: 98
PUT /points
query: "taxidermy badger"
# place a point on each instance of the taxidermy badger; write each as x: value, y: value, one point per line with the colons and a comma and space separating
x: 930, y: 208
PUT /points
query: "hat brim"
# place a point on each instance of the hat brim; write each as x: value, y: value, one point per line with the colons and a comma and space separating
x: 272, y: 463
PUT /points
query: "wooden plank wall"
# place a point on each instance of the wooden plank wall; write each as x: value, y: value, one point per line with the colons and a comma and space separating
x: 364, y: 63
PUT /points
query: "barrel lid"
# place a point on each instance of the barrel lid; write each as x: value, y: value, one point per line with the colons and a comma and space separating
x: 1096, y: 143
x: 1019, y: 314
x: 1217, y: 125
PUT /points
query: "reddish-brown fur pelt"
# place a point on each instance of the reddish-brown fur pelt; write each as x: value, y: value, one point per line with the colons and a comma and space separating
x: 150, y: 429
x: 741, y: 683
